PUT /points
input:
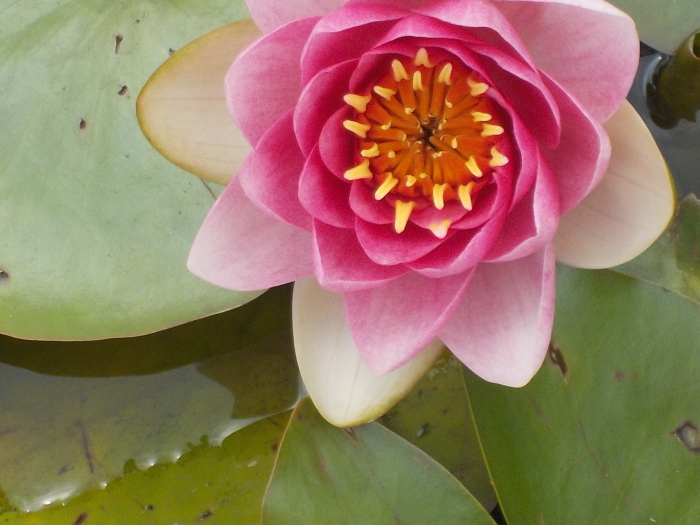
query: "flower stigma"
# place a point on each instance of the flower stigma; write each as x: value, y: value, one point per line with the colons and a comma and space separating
x: 426, y: 136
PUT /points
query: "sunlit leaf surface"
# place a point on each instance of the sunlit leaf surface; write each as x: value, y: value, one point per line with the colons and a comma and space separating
x: 96, y: 224
x: 208, y: 484
x: 607, y: 432
x: 366, y: 474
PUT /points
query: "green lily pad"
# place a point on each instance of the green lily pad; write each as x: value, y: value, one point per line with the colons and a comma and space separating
x: 436, y: 417
x: 213, y: 485
x: 607, y: 430
x: 330, y: 476
x: 61, y: 435
x: 96, y: 224
x: 662, y: 24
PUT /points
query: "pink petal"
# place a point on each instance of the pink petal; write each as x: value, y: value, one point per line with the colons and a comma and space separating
x: 323, y: 195
x: 336, y: 145
x: 588, y: 46
x: 580, y: 161
x: 346, y: 34
x: 271, y: 14
x: 366, y: 207
x: 270, y: 175
x: 241, y: 248
x: 531, y: 225
x: 392, y: 323
x: 319, y: 100
x: 341, y: 385
x: 341, y: 263
x: 265, y: 80
x: 386, y: 247
x: 502, y: 327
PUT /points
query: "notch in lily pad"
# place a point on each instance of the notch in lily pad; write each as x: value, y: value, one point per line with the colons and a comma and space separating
x: 674, y: 93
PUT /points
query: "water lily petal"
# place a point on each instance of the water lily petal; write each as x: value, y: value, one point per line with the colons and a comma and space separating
x: 251, y: 97
x: 629, y: 209
x: 182, y: 107
x: 342, y: 265
x: 588, y: 46
x: 532, y: 223
x: 242, y: 248
x: 368, y: 208
x: 392, y: 323
x: 270, y: 175
x: 342, y: 386
x: 381, y: 243
x: 271, y: 14
x: 336, y: 145
x: 580, y: 161
x: 319, y: 100
x: 502, y: 327
x: 324, y: 196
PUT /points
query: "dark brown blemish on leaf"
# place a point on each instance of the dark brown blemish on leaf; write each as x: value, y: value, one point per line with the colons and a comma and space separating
x: 688, y: 434
x: 351, y: 432
x: 619, y: 375
x: 171, y: 51
x: 123, y: 91
x: 557, y: 358
x: 118, y: 39
x: 4, y: 276
x: 206, y: 515
x: 81, y: 519
x: 82, y: 124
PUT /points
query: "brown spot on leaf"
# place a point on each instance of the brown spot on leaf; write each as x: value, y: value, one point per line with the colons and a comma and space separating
x: 351, y: 432
x: 82, y: 124
x: 81, y: 519
x: 123, y: 91
x: 619, y: 375
x: 557, y: 358
x: 206, y: 515
x: 4, y: 276
x: 118, y: 39
x: 687, y: 434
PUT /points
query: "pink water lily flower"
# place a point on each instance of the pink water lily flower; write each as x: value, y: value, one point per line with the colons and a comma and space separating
x: 417, y: 167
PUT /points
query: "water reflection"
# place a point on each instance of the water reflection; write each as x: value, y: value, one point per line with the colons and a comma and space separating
x: 126, y: 406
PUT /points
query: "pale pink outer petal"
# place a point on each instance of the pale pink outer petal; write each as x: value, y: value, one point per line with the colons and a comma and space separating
x: 588, y: 46
x: 392, y: 323
x: 582, y: 157
x: 342, y: 386
x: 265, y: 80
x: 341, y: 264
x: 242, y: 248
x: 271, y: 14
x: 532, y: 223
x: 502, y: 328
x: 270, y: 175
x: 629, y: 209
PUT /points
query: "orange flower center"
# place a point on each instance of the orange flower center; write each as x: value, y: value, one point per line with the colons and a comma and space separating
x: 426, y: 136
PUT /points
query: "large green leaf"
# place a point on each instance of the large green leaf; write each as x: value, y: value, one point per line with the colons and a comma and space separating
x: 662, y: 24
x: 213, y: 485
x: 96, y: 224
x: 607, y: 430
x: 325, y: 475
x: 436, y: 417
x: 61, y: 435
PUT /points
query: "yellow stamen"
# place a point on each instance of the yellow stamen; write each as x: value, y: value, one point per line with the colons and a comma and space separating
x: 391, y: 154
x: 497, y: 158
x: 403, y: 212
x: 422, y: 58
x: 473, y: 167
x: 465, y: 197
x: 440, y: 230
x: 481, y: 117
x: 417, y: 81
x: 371, y: 152
x: 357, y: 101
x: 383, y: 92
x: 477, y: 88
x: 439, y: 195
x: 491, y: 129
x: 357, y: 128
x: 410, y: 181
x: 386, y: 187
x: 454, y: 143
x: 445, y: 74
x: 399, y: 71
x: 359, y: 172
